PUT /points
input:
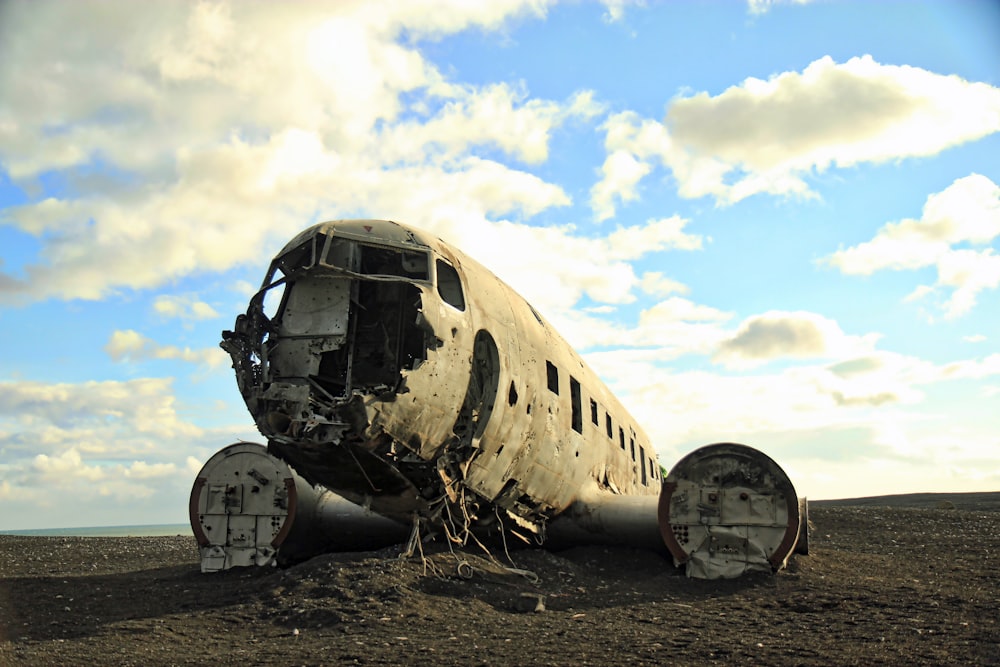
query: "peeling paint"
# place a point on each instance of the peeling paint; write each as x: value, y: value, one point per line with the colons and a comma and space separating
x: 386, y: 366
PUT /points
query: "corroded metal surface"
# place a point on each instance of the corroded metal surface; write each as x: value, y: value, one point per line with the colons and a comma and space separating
x: 386, y: 366
x: 727, y: 509
x: 248, y: 507
x: 389, y: 367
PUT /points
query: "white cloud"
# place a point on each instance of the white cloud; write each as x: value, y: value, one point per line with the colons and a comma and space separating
x: 833, y: 398
x: 70, y: 477
x: 615, y: 9
x: 768, y: 136
x: 967, y: 212
x: 763, y: 6
x: 656, y: 284
x: 655, y: 235
x: 621, y: 173
x: 244, y: 288
x: 631, y: 143
x: 183, y: 307
x: 193, y: 466
x: 108, y: 414
x: 497, y: 116
x: 846, y: 414
x: 598, y: 268
x: 669, y: 329
x: 842, y: 114
x: 181, y: 98
x: 788, y: 335
x: 143, y: 470
x: 67, y: 464
x: 68, y: 450
x: 130, y: 345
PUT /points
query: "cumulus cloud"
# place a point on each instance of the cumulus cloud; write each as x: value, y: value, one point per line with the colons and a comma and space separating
x: 620, y: 175
x: 69, y: 475
x: 183, y: 307
x: 130, y: 345
x: 632, y: 144
x: 768, y: 136
x: 870, y: 406
x: 966, y: 213
x: 101, y: 412
x: 67, y: 464
x: 143, y: 470
x: 669, y: 329
x: 599, y: 268
x: 657, y: 284
x: 615, y: 9
x: 67, y: 449
x: 787, y: 335
x: 829, y: 382
x: 498, y: 116
x: 180, y: 98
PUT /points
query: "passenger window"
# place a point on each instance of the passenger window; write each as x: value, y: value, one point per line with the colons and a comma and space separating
x: 575, y: 398
x: 449, y: 286
x: 553, y: 377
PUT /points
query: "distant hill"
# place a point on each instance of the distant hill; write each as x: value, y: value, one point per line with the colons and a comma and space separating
x: 987, y: 500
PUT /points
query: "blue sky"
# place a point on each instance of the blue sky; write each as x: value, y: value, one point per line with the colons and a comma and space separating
x: 770, y: 222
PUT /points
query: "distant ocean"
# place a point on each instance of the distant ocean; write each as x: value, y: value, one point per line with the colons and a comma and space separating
x: 108, y: 531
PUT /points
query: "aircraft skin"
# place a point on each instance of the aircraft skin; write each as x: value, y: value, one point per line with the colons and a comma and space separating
x: 388, y: 367
x: 400, y: 373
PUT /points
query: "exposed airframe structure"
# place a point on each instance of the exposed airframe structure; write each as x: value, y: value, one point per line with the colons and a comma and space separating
x: 401, y: 385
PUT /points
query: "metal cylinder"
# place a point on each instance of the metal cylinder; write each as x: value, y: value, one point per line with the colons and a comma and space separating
x: 608, y: 519
x: 248, y: 507
x: 727, y: 509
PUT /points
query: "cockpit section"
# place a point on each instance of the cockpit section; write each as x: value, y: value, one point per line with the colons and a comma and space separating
x: 336, y: 348
x: 337, y: 315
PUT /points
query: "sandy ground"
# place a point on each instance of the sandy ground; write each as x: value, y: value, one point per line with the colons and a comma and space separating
x: 883, y: 585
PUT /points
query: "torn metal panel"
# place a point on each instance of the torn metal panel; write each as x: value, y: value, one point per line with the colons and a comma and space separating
x: 246, y: 506
x: 240, y: 508
x: 727, y: 509
x: 394, y: 370
x: 386, y: 366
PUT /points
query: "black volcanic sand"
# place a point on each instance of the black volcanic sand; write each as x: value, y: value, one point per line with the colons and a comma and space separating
x: 883, y: 585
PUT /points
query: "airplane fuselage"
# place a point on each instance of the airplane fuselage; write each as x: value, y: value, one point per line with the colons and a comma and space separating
x: 392, y: 369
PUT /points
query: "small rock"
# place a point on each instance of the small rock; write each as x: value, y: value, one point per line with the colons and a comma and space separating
x: 530, y: 602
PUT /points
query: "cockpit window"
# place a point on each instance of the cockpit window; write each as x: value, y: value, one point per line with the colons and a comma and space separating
x: 272, y: 300
x: 449, y: 286
x: 376, y: 260
x: 297, y: 259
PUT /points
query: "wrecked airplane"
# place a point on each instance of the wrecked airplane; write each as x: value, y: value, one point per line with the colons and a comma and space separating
x: 404, y: 390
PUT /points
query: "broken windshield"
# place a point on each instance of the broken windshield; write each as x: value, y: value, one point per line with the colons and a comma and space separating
x: 372, y: 260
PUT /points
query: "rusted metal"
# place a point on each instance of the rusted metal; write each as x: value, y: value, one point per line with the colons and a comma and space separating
x: 609, y: 519
x: 388, y: 367
x: 248, y: 507
x: 404, y: 376
x: 727, y: 509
